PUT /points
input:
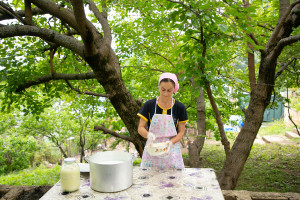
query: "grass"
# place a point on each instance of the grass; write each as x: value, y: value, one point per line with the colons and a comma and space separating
x: 273, y: 168
x: 269, y: 168
x: 274, y: 128
x: 32, y: 176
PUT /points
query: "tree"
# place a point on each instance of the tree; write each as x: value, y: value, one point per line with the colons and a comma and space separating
x: 261, y: 94
x: 96, y: 50
x: 69, y: 120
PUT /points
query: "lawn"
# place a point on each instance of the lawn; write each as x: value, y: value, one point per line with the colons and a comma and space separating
x: 274, y: 128
x: 269, y: 168
x: 32, y: 176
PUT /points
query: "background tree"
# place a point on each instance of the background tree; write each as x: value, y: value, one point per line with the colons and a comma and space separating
x: 67, y: 125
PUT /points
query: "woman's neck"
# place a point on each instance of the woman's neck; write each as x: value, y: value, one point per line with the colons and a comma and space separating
x: 165, y: 102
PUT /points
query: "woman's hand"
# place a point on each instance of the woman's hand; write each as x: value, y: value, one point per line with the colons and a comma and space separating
x: 150, y: 138
x: 170, y: 144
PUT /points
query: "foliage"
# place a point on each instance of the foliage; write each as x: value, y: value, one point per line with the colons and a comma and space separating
x: 16, y: 152
x: 49, y: 133
x: 137, y: 162
x: 48, y: 153
x: 150, y: 37
x: 176, y: 48
x: 69, y: 117
x: 295, y: 99
x: 33, y: 176
x: 7, y: 120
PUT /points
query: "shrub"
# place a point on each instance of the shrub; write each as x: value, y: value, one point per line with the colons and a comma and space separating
x: 16, y: 153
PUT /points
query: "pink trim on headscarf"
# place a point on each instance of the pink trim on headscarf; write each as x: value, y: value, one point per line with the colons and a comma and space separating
x: 170, y: 76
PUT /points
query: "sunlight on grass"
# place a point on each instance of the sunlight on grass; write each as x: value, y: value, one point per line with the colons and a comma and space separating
x: 274, y: 128
x: 269, y: 168
x: 32, y: 176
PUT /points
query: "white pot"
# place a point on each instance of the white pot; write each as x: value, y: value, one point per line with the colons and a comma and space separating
x: 111, y: 171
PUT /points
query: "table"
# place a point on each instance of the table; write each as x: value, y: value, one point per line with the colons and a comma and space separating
x: 154, y: 184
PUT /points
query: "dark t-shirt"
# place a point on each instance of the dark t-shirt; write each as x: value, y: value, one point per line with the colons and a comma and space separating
x: 178, y: 112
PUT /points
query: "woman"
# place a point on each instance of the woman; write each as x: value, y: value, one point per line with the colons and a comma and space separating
x: 166, y: 119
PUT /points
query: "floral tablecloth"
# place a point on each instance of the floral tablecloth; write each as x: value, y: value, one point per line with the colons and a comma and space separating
x: 152, y: 183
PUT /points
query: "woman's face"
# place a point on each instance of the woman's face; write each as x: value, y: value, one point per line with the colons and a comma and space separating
x: 166, y: 89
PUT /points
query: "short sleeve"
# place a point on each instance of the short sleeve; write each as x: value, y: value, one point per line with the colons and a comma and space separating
x: 182, y: 114
x: 143, y: 112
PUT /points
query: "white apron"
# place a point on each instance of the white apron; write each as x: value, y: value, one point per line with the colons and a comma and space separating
x: 163, y: 127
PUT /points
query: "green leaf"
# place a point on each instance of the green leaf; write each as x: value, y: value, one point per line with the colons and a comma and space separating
x: 259, y: 47
x: 223, y: 27
x: 189, y: 14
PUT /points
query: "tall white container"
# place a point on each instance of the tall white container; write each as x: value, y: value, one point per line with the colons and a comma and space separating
x: 70, y: 175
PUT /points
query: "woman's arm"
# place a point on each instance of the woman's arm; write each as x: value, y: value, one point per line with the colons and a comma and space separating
x: 142, y: 128
x: 180, y: 134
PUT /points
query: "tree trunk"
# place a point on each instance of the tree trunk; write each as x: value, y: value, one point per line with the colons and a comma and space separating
x: 251, y: 66
x: 259, y: 98
x: 251, y: 63
x: 284, y: 4
x: 244, y: 141
x: 108, y: 75
x: 196, y: 146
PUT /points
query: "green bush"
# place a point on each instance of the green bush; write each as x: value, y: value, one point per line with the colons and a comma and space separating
x: 51, y: 154
x: 16, y: 153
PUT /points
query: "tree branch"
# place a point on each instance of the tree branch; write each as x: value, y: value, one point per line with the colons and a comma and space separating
x: 52, y: 52
x: 158, y: 70
x: 286, y: 41
x: 220, y: 124
x: 254, y: 39
x: 85, y: 30
x: 186, y: 6
x: 48, y: 78
x: 103, y: 21
x: 289, y: 40
x: 265, y: 27
x: 289, y: 115
x: 46, y: 34
x: 21, y: 13
x: 159, y: 55
x: 65, y: 15
x: 284, y: 67
x: 96, y: 94
x: 86, y: 92
x: 93, y: 37
x: 280, y: 24
x: 6, y: 9
x: 28, y: 13
x: 107, y: 131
